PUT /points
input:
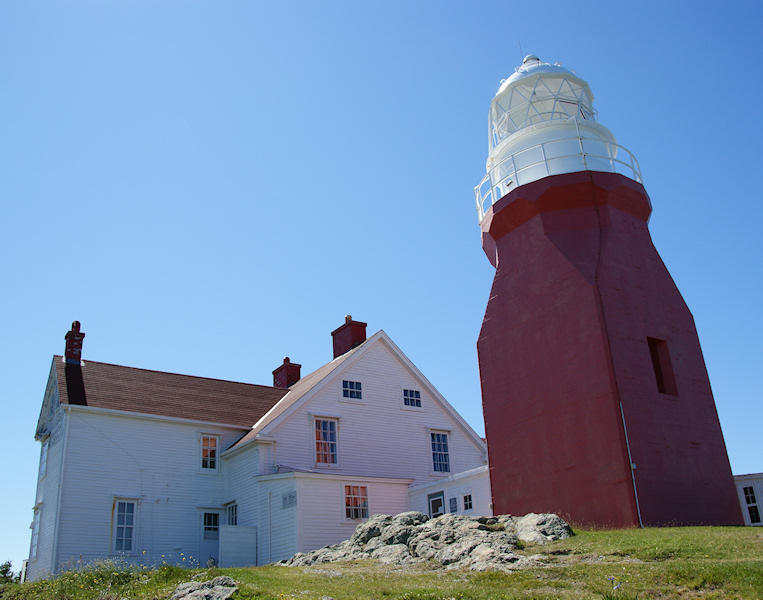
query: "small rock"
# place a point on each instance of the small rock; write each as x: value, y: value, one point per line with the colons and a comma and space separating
x: 219, y: 588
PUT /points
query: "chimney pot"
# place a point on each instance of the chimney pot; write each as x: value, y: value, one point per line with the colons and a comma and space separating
x: 74, y: 337
x: 287, y: 374
x: 349, y: 335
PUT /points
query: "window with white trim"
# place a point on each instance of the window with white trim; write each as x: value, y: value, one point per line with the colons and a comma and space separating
x: 412, y: 398
x: 352, y: 389
x: 209, y: 444
x: 356, y: 501
x: 232, y: 514
x: 325, y: 441
x: 43, y: 459
x: 124, y: 526
x: 440, y: 455
x: 467, y: 502
x: 453, y: 505
x: 211, y: 526
x: 752, y: 504
x: 35, y: 527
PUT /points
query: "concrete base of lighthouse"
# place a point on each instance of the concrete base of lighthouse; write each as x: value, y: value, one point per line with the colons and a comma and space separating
x: 596, y: 398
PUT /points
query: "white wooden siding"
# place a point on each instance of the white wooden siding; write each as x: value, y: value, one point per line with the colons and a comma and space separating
x: 322, y: 510
x: 238, y: 546
x: 46, y: 497
x: 154, y: 462
x: 477, y: 484
x: 378, y: 435
x: 277, y: 532
x: 241, y: 485
x: 755, y: 481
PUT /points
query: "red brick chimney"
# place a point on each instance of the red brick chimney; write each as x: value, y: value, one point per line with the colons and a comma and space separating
x: 287, y: 374
x: 349, y: 335
x: 74, y: 338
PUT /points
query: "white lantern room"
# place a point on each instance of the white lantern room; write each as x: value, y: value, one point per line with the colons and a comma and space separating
x: 542, y: 122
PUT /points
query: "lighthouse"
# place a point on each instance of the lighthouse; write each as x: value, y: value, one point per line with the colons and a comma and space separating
x: 595, y: 394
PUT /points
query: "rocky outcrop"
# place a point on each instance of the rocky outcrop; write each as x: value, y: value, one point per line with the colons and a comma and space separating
x: 219, y: 588
x: 454, y: 541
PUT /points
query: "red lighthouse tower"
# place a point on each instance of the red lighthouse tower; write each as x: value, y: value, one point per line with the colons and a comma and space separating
x: 596, y: 398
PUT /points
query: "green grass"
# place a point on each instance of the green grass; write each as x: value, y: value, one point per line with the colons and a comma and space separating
x: 682, y: 562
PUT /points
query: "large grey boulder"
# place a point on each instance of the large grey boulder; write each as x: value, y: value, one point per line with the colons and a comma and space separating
x: 219, y: 588
x: 541, y: 528
x: 454, y: 541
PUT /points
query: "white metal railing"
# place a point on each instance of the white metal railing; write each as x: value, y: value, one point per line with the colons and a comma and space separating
x: 540, y: 160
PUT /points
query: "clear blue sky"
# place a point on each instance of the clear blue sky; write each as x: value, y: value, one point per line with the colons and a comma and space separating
x: 210, y: 186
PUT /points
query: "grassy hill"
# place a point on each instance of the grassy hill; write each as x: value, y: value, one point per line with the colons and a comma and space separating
x: 680, y: 562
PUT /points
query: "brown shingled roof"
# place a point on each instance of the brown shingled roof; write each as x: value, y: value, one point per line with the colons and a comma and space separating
x: 116, y: 387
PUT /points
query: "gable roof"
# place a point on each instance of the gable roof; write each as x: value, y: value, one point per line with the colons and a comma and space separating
x: 116, y: 387
x: 298, y: 392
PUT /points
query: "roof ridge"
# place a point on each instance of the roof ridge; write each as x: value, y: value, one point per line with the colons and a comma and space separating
x: 269, y: 387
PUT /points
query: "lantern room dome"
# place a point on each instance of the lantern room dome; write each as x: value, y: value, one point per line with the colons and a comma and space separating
x: 532, y: 65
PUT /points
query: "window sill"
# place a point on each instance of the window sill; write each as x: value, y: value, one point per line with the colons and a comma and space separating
x: 352, y: 400
x: 412, y: 408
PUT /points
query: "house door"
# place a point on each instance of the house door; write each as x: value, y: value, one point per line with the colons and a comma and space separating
x: 436, y: 504
x: 209, y: 549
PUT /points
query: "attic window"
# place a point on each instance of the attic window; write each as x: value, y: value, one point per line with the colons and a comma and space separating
x: 352, y: 389
x: 412, y: 398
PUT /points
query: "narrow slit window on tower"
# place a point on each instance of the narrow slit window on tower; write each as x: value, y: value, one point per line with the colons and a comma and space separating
x: 663, y: 368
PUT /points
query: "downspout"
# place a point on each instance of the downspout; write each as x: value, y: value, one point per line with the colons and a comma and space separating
x: 630, y: 462
x: 56, y: 530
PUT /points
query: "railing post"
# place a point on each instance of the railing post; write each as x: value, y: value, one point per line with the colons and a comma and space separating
x: 514, y: 176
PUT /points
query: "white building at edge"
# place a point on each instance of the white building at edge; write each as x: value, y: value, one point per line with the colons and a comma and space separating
x: 153, y: 466
x: 750, y: 491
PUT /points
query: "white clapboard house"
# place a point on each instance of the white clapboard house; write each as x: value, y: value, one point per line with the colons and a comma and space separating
x: 152, y: 466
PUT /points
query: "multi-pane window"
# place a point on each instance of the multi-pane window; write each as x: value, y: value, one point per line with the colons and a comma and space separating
x: 325, y: 441
x: 468, y: 502
x: 352, y: 389
x: 43, y: 459
x: 124, y: 526
x: 232, y: 514
x: 752, y: 504
x: 440, y: 458
x: 356, y: 501
x: 412, y: 398
x: 209, y: 452
x: 453, y: 505
x: 35, y: 533
x: 211, y: 525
